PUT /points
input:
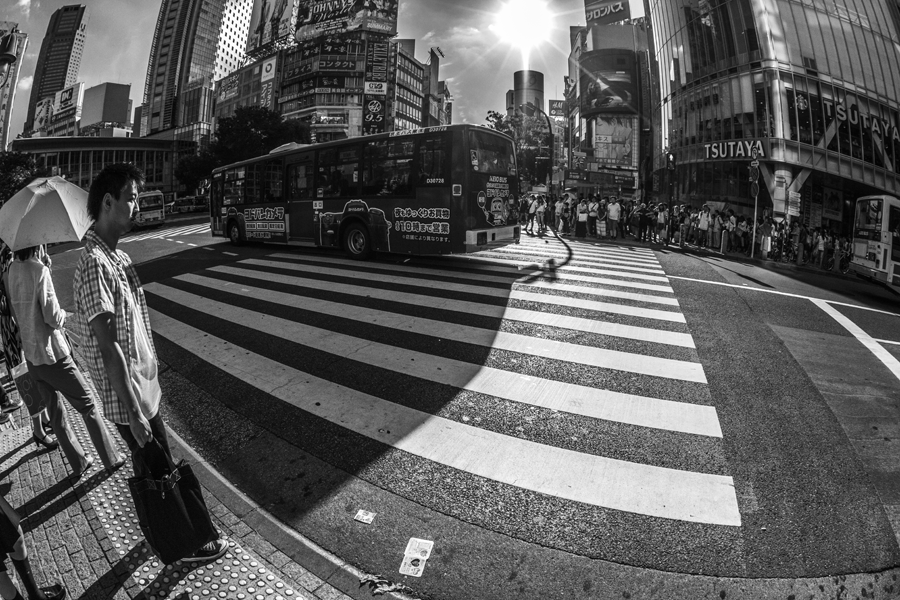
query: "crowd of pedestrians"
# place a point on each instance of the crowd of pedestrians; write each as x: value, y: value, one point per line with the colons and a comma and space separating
x: 722, y: 231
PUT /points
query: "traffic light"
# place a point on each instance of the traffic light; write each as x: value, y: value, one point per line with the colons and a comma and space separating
x: 670, y: 161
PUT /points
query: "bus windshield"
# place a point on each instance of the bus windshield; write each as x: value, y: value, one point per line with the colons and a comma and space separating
x: 869, y: 214
x: 150, y: 200
x: 491, y: 154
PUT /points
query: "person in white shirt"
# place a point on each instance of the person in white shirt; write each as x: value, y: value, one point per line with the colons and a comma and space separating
x: 613, y: 213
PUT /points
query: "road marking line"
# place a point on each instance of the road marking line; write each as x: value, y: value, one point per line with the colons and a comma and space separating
x: 864, y: 338
x: 596, y: 327
x: 603, y: 358
x: 229, y: 253
x: 606, y: 263
x: 590, y: 249
x: 511, y: 294
x: 562, y: 274
x: 210, y: 249
x: 577, y: 255
x: 194, y: 245
x: 571, y: 398
x: 177, y: 241
x: 602, y: 263
x: 892, y: 342
x: 594, y: 480
x: 412, y: 278
x: 786, y: 294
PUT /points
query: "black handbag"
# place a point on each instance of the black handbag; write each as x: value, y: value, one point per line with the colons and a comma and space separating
x: 169, y: 505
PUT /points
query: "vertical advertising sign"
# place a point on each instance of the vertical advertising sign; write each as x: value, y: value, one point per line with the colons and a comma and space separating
x: 375, y: 103
x: 43, y: 110
x: 606, y: 12
x: 316, y: 18
x: 271, y: 20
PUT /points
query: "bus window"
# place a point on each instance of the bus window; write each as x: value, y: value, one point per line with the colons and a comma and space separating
x: 253, y: 178
x: 869, y: 214
x: 299, y: 181
x: 387, y: 168
x: 434, y: 160
x: 234, y: 187
x: 491, y: 154
x: 273, y: 172
x: 338, y: 174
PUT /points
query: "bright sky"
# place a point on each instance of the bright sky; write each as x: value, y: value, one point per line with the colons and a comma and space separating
x: 479, y: 63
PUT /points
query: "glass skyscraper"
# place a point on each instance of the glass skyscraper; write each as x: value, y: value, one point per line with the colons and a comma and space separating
x: 195, y: 42
x: 60, y: 56
x: 812, y: 85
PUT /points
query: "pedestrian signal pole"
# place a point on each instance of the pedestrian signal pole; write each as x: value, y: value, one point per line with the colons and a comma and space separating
x: 754, y: 191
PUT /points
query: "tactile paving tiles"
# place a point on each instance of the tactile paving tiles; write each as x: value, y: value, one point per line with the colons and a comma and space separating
x: 238, y: 574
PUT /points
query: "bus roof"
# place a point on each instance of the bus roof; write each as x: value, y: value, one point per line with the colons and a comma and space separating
x: 338, y: 143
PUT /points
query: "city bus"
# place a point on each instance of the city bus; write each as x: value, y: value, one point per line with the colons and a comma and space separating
x: 152, y: 209
x: 876, y: 239
x: 436, y: 190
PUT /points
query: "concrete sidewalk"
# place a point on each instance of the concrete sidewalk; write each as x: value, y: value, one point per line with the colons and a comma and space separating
x: 84, y: 534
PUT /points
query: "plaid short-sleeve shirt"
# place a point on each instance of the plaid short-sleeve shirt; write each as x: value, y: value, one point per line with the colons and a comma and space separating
x: 106, y: 282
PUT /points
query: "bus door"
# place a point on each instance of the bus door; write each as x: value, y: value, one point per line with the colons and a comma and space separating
x: 301, y: 196
x: 892, y: 238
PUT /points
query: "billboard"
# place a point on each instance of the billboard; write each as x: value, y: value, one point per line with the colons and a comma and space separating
x: 67, y: 102
x: 606, y: 11
x: 267, y: 72
x: 43, y: 110
x: 557, y: 108
x: 271, y: 20
x: 608, y: 82
x: 316, y: 18
x: 615, y: 141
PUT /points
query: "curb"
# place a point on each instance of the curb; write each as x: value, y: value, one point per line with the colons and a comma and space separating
x: 303, y: 551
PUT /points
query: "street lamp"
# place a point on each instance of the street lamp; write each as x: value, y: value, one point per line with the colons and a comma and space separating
x: 9, y: 46
x: 533, y: 107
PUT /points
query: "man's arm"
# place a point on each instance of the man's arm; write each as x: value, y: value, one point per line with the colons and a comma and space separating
x: 103, y: 326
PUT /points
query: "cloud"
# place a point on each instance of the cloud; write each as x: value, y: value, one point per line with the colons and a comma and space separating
x: 24, y: 6
x: 25, y: 83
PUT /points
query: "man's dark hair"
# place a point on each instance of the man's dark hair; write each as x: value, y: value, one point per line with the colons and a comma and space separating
x: 111, y: 180
x: 25, y: 253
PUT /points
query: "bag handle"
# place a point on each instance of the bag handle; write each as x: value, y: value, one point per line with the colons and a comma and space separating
x: 154, y: 446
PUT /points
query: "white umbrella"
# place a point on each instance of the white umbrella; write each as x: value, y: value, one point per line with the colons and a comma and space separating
x: 47, y: 211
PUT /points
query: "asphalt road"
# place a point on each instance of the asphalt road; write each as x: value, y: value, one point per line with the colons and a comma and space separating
x: 557, y: 433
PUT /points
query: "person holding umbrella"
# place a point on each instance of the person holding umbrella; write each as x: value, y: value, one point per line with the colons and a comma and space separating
x: 46, y: 211
x: 50, y: 363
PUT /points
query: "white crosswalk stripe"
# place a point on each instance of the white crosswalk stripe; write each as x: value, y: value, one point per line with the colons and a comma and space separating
x: 166, y: 233
x: 611, y: 304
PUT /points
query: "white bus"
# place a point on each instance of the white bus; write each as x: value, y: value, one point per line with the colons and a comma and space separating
x: 152, y: 209
x: 876, y: 239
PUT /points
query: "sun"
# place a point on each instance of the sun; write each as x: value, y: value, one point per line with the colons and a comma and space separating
x: 523, y: 24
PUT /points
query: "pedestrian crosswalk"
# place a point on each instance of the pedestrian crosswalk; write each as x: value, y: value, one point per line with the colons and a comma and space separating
x: 599, y: 337
x: 171, y: 232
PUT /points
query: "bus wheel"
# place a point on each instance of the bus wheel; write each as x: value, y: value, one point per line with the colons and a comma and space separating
x: 234, y: 233
x: 357, y: 243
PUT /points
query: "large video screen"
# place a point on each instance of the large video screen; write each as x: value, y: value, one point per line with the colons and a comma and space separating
x: 608, y: 82
x: 323, y: 17
x: 270, y: 20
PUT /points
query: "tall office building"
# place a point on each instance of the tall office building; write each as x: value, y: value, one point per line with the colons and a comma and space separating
x: 811, y: 89
x: 195, y: 42
x: 8, y: 91
x: 528, y: 86
x: 60, y: 56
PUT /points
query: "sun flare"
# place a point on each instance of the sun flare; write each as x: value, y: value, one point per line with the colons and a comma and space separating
x: 523, y: 24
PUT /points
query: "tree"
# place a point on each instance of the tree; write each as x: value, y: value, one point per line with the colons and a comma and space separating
x: 252, y: 131
x: 530, y: 135
x: 17, y: 170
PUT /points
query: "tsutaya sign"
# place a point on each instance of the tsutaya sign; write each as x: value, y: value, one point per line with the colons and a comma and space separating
x: 735, y: 149
x: 880, y: 127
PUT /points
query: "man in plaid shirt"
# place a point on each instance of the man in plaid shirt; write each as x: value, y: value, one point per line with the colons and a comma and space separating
x: 107, y: 289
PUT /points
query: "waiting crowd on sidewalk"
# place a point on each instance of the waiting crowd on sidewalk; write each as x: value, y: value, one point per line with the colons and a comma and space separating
x: 682, y: 225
